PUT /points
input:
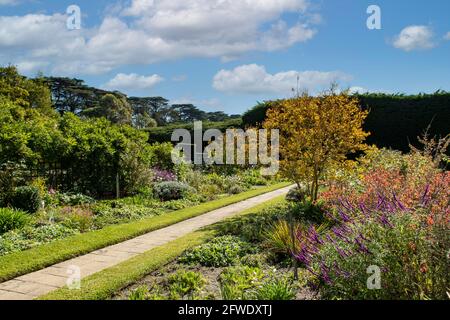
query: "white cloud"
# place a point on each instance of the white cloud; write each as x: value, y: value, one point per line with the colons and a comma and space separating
x: 8, y: 2
x: 254, y: 79
x: 415, y: 38
x: 447, y: 36
x: 356, y: 89
x: 29, y: 67
x: 133, y: 81
x: 155, y: 31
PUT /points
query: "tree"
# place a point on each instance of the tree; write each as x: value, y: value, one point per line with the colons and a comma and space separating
x: 115, y: 108
x: 314, y: 133
x: 156, y: 107
x: 188, y: 113
x: 24, y: 92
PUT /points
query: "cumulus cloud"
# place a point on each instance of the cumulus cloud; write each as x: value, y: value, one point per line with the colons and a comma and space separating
x: 133, y: 81
x: 149, y: 31
x: 415, y: 38
x: 254, y: 79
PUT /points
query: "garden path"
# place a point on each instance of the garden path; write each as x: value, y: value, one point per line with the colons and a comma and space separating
x: 35, y: 284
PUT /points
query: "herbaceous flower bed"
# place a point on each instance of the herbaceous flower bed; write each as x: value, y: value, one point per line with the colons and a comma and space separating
x: 378, y: 231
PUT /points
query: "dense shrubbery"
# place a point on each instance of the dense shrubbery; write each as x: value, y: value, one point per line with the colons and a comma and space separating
x: 27, y: 199
x: 171, y: 190
x: 220, y: 252
x: 11, y: 219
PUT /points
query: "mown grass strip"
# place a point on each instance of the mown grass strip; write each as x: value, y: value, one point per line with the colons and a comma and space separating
x: 20, y: 263
x: 105, y: 284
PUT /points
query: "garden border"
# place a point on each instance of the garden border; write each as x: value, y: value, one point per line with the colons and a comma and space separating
x: 20, y: 263
x: 104, y: 284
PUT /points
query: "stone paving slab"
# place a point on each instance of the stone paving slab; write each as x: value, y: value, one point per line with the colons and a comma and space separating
x: 41, y: 282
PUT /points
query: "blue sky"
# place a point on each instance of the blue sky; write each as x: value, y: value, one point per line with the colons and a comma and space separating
x: 228, y: 54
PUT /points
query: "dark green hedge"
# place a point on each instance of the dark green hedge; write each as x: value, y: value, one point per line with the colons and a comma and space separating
x: 164, y: 134
x: 394, y: 120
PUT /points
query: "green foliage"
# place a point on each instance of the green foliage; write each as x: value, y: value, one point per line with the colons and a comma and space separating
x: 309, y: 212
x: 184, y: 284
x: 26, y: 93
x: 235, y: 282
x: 27, y: 199
x: 161, y: 156
x: 11, y: 219
x: 11, y: 176
x: 275, y: 289
x: 296, y: 195
x: 73, y: 199
x: 140, y: 293
x: 220, y: 252
x: 29, y: 237
x: 171, y: 190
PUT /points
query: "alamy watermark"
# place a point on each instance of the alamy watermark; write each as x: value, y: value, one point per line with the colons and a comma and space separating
x: 374, y: 20
x: 234, y: 147
x: 74, y: 280
x: 374, y: 281
x: 73, y: 21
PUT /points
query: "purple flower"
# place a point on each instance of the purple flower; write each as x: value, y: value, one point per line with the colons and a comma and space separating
x: 362, y: 248
x: 313, y: 236
x: 344, y: 217
x: 385, y: 221
x: 160, y: 175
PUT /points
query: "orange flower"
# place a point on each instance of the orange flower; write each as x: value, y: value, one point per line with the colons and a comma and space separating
x: 430, y: 220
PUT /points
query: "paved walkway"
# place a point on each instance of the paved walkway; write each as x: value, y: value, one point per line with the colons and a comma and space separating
x: 41, y: 282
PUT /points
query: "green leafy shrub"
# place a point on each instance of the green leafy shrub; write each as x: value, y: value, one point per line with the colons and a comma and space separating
x: 296, y: 195
x: 118, y: 212
x: 256, y: 260
x: 236, y: 189
x: 275, y: 289
x: 29, y: 237
x: 73, y: 199
x: 140, y: 293
x: 27, y: 199
x: 220, y: 252
x: 309, y: 212
x: 185, y: 284
x: 11, y: 219
x: 235, y: 282
x: 171, y: 190
x: 254, y: 178
x: 11, y: 176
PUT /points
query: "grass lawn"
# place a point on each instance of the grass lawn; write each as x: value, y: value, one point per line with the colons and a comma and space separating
x: 16, y: 264
x: 104, y: 284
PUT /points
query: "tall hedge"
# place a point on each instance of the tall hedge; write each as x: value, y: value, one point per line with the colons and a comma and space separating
x: 394, y: 120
